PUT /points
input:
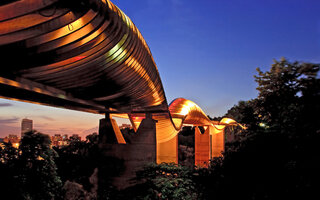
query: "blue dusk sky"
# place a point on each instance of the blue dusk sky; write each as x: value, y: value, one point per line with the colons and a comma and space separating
x: 206, y: 51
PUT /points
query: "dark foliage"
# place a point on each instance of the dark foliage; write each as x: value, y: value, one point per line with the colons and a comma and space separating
x: 279, y: 159
x: 30, y: 171
x: 244, y: 112
x: 8, y: 166
x: 186, y: 146
x: 77, y: 164
x: 289, y: 96
x: 77, y: 161
x: 186, y: 136
x: 168, y: 181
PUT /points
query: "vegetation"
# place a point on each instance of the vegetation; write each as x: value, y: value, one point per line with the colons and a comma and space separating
x: 289, y: 96
x: 30, y: 171
x: 279, y: 157
x: 77, y: 161
x: 168, y: 181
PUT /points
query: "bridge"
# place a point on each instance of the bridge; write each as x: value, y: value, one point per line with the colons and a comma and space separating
x: 87, y: 55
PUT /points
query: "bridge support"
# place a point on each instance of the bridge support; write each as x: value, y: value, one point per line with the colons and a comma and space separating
x: 131, y: 157
x: 208, y: 145
x: 202, y: 147
x: 218, y: 142
x: 109, y: 132
x: 167, y: 152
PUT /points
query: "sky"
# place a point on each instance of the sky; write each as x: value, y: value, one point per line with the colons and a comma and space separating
x: 206, y: 51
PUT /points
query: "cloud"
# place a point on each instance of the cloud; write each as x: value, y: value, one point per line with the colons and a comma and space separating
x: 9, y: 121
x: 57, y: 130
x: 41, y: 125
x: 5, y: 104
x: 47, y: 118
x: 6, y: 130
x: 90, y: 131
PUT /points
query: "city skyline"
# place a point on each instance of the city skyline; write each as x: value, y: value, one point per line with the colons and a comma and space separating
x: 86, y: 124
x: 226, y: 41
x: 50, y: 125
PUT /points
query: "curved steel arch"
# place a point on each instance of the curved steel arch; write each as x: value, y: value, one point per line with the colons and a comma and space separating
x: 181, y: 112
x: 86, y: 55
x: 85, y: 49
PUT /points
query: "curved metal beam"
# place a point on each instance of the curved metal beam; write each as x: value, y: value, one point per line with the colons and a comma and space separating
x: 86, y: 55
x: 88, y: 49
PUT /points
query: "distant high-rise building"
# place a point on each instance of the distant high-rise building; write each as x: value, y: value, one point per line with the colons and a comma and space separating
x: 26, y: 125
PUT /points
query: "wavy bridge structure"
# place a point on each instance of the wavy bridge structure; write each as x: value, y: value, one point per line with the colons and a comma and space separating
x: 87, y: 55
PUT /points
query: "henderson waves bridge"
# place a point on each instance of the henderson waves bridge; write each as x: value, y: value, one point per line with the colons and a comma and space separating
x: 87, y: 55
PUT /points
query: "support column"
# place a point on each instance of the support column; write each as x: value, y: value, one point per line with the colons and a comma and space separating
x: 106, y: 132
x: 130, y: 157
x: 217, y: 142
x: 202, y: 148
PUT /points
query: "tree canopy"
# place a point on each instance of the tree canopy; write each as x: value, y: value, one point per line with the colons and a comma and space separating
x: 288, y: 95
x: 279, y: 158
x: 30, y: 172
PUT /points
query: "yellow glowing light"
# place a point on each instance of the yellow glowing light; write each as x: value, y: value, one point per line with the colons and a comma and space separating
x: 184, y: 110
x: 227, y: 121
x: 177, y: 122
x: 219, y: 127
x: 40, y: 158
x: 15, y: 145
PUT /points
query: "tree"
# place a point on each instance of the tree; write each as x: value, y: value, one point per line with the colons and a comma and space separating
x: 281, y: 161
x: 284, y: 94
x: 92, y: 139
x: 8, y: 171
x: 168, y: 181
x: 77, y: 161
x: 244, y: 113
x: 8, y: 154
x: 38, y: 174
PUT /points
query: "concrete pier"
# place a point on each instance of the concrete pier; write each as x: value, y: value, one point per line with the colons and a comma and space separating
x: 202, y: 147
x: 133, y: 156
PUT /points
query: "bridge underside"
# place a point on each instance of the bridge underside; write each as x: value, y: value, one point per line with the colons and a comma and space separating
x: 87, y: 55
x: 78, y: 54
